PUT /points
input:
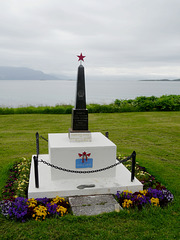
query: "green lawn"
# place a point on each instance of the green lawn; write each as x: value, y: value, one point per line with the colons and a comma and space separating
x: 155, y: 136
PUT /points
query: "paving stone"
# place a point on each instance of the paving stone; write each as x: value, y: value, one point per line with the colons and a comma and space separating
x: 93, y: 205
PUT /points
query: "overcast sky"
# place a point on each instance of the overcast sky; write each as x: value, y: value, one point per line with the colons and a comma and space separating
x: 120, y: 38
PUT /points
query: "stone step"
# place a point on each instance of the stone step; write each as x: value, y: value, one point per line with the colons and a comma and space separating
x: 93, y: 205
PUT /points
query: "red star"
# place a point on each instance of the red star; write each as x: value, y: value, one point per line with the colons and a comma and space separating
x: 81, y: 57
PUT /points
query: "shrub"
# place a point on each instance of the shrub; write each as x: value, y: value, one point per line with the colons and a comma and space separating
x: 139, y: 104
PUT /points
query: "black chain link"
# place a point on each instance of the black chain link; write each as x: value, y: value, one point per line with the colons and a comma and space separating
x: 84, y: 172
x: 44, y: 138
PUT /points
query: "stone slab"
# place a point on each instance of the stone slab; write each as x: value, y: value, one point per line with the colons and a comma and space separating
x: 93, y: 205
x: 79, y: 136
x: 69, y: 187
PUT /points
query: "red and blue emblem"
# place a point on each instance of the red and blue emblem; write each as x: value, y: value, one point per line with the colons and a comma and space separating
x: 84, y: 161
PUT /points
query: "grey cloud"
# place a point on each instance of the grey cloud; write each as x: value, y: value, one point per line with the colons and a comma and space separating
x: 116, y: 36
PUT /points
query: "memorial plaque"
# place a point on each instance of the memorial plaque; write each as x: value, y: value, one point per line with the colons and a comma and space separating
x: 80, y: 119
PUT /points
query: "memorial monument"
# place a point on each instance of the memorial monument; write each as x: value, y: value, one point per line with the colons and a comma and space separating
x: 79, y: 126
x: 78, y: 162
x: 80, y: 113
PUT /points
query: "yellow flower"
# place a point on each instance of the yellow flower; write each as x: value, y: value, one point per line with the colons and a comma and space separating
x: 155, y: 201
x: 57, y: 200
x: 144, y: 192
x: 127, y: 203
x: 126, y: 191
x: 32, y: 202
x: 139, y: 196
x: 61, y: 209
x: 40, y: 213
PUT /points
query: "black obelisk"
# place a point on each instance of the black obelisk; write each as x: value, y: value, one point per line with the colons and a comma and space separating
x: 80, y: 113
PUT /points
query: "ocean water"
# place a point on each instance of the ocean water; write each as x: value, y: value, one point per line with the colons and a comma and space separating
x: 14, y: 93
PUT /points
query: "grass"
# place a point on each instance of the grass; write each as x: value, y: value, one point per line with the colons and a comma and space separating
x: 153, y: 135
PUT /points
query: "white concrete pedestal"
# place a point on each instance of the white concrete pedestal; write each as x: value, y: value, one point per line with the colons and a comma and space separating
x: 68, y: 187
x: 64, y: 153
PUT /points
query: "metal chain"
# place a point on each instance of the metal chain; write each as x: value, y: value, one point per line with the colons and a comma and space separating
x: 44, y: 138
x: 84, y: 172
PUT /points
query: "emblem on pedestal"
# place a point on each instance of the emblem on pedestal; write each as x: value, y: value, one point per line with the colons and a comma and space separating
x: 84, y: 161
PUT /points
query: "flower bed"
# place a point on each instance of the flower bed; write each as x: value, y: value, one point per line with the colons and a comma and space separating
x: 22, y: 208
x: 17, y: 183
x: 154, y: 193
x: 153, y: 197
x: 16, y: 205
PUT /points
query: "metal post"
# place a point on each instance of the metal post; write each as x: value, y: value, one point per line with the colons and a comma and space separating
x: 133, y: 165
x: 37, y: 143
x: 107, y: 134
x: 36, y: 172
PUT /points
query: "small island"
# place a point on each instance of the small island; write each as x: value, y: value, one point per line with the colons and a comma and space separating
x: 160, y: 80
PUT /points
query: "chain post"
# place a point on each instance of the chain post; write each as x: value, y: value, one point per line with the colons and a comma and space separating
x: 107, y: 134
x: 36, y: 171
x: 37, y: 143
x: 133, y: 165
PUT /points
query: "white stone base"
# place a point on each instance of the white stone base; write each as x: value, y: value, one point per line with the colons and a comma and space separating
x: 68, y: 187
x: 80, y: 137
x: 64, y: 153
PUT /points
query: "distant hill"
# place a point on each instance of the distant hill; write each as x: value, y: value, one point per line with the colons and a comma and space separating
x: 163, y: 80
x: 22, y: 73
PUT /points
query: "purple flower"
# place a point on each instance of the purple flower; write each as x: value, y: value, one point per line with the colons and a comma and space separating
x: 118, y: 194
x: 168, y: 195
x: 43, y: 201
x: 19, y: 209
x: 4, y: 207
x: 140, y: 200
x: 51, y: 208
x: 155, y: 193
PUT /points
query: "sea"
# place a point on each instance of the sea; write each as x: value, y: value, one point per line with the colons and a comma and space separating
x: 17, y: 93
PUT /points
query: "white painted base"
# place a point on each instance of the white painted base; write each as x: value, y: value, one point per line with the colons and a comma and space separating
x: 68, y: 187
x: 80, y: 137
x: 63, y: 153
